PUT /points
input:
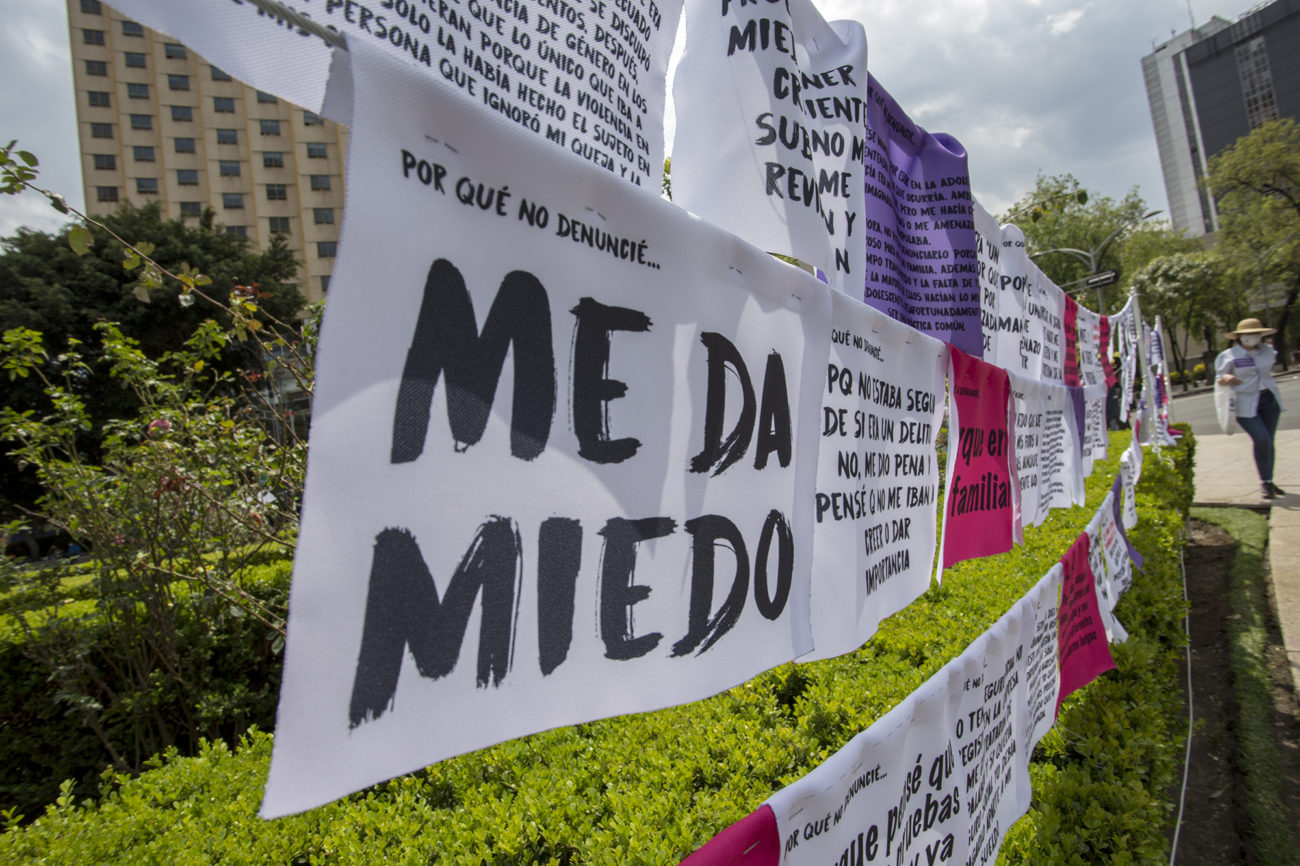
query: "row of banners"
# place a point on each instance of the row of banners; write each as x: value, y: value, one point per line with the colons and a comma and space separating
x: 576, y: 452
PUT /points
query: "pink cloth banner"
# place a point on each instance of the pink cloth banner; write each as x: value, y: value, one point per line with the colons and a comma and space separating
x: 751, y: 841
x: 1071, y: 342
x: 1082, y: 649
x: 979, y: 515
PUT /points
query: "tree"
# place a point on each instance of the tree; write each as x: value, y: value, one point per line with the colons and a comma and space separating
x: 47, y: 287
x: 1182, y: 289
x: 1256, y: 184
x: 1064, y: 216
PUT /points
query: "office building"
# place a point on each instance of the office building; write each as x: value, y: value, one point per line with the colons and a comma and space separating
x: 1208, y: 87
x: 158, y: 123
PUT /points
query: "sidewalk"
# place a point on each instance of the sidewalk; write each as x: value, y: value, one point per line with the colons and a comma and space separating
x: 1225, y: 475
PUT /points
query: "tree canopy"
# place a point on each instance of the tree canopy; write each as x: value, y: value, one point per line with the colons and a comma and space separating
x: 1059, y: 215
x: 46, y: 286
x: 1256, y: 184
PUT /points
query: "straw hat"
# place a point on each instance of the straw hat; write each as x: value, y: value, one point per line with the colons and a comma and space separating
x: 1250, y: 326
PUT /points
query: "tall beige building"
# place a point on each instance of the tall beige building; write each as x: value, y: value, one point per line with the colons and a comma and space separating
x: 158, y: 123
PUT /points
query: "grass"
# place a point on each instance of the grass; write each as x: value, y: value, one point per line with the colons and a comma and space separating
x: 1258, y: 756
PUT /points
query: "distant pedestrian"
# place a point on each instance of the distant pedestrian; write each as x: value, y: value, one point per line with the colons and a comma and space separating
x: 1247, y: 368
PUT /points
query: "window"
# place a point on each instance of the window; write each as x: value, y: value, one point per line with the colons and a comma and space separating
x: 99, y: 98
x: 228, y: 167
x: 91, y: 7
x: 320, y: 182
x: 237, y: 231
x: 92, y: 37
x: 315, y: 150
x: 137, y: 91
x: 277, y: 192
x: 106, y: 193
x: 272, y: 159
x: 232, y: 200
x: 105, y: 161
x: 174, y: 51
x: 142, y: 121
x: 191, y: 208
x: 324, y: 283
x: 310, y: 118
x: 269, y: 127
x: 279, y: 225
x: 227, y: 136
x: 182, y: 113
x: 266, y: 98
x: 223, y: 104
x: 185, y: 145
x: 324, y: 216
x: 131, y: 28
x: 96, y: 67
x: 101, y: 130
x: 218, y: 75
x: 327, y: 249
x: 142, y: 154
x: 135, y: 60
x: 146, y: 185
x: 178, y: 82
x: 187, y: 177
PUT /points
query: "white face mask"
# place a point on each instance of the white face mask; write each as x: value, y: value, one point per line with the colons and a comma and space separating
x: 1249, y: 341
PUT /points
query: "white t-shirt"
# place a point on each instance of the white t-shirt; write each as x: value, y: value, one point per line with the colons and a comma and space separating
x: 1254, y: 367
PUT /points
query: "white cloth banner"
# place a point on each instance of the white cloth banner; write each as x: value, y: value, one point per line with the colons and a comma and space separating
x: 770, y: 102
x: 617, y: 520
x: 1061, y: 482
x: 1019, y: 344
x: 1130, y: 470
x: 1096, y: 439
x: 1106, y: 597
x: 944, y: 775
x: 1119, y: 568
x: 1030, y: 398
x: 1090, y: 348
x: 589, y: 77
x: 1047, y: 312
x: 988, y: 250
x: 877, y: 475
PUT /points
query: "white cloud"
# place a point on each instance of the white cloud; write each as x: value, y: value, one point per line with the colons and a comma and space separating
x: 1063, y: 23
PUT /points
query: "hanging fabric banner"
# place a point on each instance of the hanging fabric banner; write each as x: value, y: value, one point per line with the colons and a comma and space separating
x: 878, y: 474
x: 589, y: 78
x: 921, y: 265
x: 1103, y: 588
x: 1018, y: 347
x: 1082, y: 649
x: 978, y: 511
x: 1092, y: 349
x: 940, y: 778
x: 617, y: 520
x: 1061, y: 481
x: 1113, y: 549
x: 770, y: 106
x: 1070, y: 363
x: 988, y: 252
x: 1030, y: 400
x: 1047, y: 312
x: 1106, y: 351
x: 1096, y: 440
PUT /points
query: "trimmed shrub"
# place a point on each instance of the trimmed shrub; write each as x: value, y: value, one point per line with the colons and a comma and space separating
x: 653, y: 787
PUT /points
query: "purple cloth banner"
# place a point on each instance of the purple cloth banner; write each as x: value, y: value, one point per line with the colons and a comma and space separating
x: 1117, y: 494
x: 919, y: 227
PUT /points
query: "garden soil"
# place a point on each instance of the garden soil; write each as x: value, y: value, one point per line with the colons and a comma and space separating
x: 1214, y: 828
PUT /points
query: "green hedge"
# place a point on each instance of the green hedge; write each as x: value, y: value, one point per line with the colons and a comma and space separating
x: 652, y: 788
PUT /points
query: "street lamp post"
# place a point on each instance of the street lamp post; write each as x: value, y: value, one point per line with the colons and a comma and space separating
x: 1092, y: 258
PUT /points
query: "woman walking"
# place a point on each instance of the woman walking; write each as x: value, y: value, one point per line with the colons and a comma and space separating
x: 1247, y: 367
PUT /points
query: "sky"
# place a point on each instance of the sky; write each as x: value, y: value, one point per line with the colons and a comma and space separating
x: 1028, y: 86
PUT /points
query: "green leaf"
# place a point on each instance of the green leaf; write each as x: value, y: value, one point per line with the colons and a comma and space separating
x: 141, y: 294
x: 81, y: 240
x: 27, y: 157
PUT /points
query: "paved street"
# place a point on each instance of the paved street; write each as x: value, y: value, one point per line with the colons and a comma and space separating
x: 1197, y: 408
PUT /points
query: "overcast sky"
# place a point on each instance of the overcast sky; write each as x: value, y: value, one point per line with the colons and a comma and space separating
x: 1028, y: 86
